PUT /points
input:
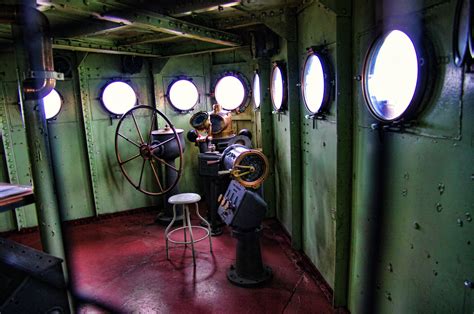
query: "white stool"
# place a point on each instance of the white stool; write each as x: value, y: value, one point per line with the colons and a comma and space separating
x: 185, y: 199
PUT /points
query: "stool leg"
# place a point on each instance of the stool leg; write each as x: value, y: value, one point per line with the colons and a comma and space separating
x: 184, y: 227
x: 167, y: 229
x: 208, y: 226
x: 190, y: 233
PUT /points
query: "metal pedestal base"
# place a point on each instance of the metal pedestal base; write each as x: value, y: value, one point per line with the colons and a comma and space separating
x: 237, y: 280
x: 248, y: 270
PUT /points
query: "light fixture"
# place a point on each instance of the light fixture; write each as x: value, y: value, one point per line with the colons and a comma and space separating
x: 256, y: 91
x: 315, y: 82
x: 118, y: 97
x: 183, y: 94
x: 278, y: 87
x: 231, y: 92
x: 52, y: 104
x: 394, y: 76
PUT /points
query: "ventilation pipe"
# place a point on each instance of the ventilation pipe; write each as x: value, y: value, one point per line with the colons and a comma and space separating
x: 34, y: 54
x: 35, y: 31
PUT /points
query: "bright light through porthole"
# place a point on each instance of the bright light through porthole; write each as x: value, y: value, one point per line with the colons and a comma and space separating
x: 52, y: 104
x: 183, y: 95
x: 391, y: 76
x: 256, y: 90
x: 230, y: 92
x: 314, y: 89
x: 277, y: 88
x: 118, y: 97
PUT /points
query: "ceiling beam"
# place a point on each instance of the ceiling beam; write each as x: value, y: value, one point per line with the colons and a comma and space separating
x: 189, y: 7
x: 120, y: 13
x: 162, y: 52
x: 88, y: 29
x: 147, y: 39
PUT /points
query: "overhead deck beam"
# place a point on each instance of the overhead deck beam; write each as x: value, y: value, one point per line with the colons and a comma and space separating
x: 110, y: 48
x: 120, y: 13
x: 89, y: 29
x: 146, y: 39
x: 189, y: 7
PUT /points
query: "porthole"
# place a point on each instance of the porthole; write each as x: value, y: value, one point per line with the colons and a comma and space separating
x: 52, y: 104
x: 278, y: 87
x: 256, y: 91
x: 231, y: 92
x: 462, y: 28
x: 315, y: 82
x: 394, y: 77
x: 118, y: 97
x: 183, y: 94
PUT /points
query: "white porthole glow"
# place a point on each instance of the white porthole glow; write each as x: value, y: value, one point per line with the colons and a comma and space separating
x: 391, y: 76
x: 118, y: 97
x: 277, y: 88
x: 183, y: 95
x: 256, y: 90
x: 52, y: 104
x: 230, y: 92
x: 314, y: 88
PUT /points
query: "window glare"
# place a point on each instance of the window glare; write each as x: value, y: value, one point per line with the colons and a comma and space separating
x: 183, y: 95
x: 393, y: 75
x: 119, y: 97
x: 277, y: 88
x: 52, y: 104
x: 230, y: 92
x: 313, y: 89
x: 256, y: 90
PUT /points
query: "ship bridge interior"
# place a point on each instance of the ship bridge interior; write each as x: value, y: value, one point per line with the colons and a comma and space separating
x: 250, y: 156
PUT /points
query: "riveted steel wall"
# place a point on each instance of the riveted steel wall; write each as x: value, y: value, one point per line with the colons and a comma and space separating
x: 412, y: 229
x: 111, y: 191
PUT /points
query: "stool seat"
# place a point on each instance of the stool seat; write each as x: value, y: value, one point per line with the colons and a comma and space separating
x: 184, y: 198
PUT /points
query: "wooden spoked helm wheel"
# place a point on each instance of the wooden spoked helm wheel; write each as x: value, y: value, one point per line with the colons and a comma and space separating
x: 145, y: 134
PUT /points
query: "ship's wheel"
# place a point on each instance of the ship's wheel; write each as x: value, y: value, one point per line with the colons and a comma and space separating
x: 147, y: 145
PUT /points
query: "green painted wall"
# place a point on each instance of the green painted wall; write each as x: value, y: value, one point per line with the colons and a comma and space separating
x: 412, y: 232
x: 319, y: 139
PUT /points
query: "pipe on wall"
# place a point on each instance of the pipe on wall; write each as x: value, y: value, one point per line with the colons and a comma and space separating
x: 33, y: 51
x: 37, y: 41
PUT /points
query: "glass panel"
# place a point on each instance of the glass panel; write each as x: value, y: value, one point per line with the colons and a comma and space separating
x: 277, y: 88
x: 313, y: 80
x: 392, y: 75
x: 52, y: 104
x: 118, y: 97
x: 256, y: 90
x: 183, y: 95
x: 230, y: 92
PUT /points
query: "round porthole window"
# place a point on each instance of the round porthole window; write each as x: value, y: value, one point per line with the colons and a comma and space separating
x: 315, y: 83
x: 183, y: 95
x: 256, y: 91
x: 52, y: 104
x: 461, y: 32
x: 118, y: 97
x: 231, y: 92
x: 278, y: 88
x: 393, y: 75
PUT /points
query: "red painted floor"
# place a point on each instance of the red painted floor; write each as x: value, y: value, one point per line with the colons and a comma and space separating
x: 121, y: 262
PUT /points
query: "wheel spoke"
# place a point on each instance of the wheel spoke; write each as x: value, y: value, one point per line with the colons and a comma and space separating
x: 162, y: 143
x: 130, y: 159
x: 138, y: 129
x: 153, y: 121
x: 156, y: 175
x: 141, y: 174
x: 165, y: 163
x: 128, y: 140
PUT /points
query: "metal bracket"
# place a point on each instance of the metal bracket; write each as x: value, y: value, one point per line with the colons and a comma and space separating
x: 46, y: 75
x: 395, y: 126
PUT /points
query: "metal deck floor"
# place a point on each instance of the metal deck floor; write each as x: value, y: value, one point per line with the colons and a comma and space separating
x: 121, y: 262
